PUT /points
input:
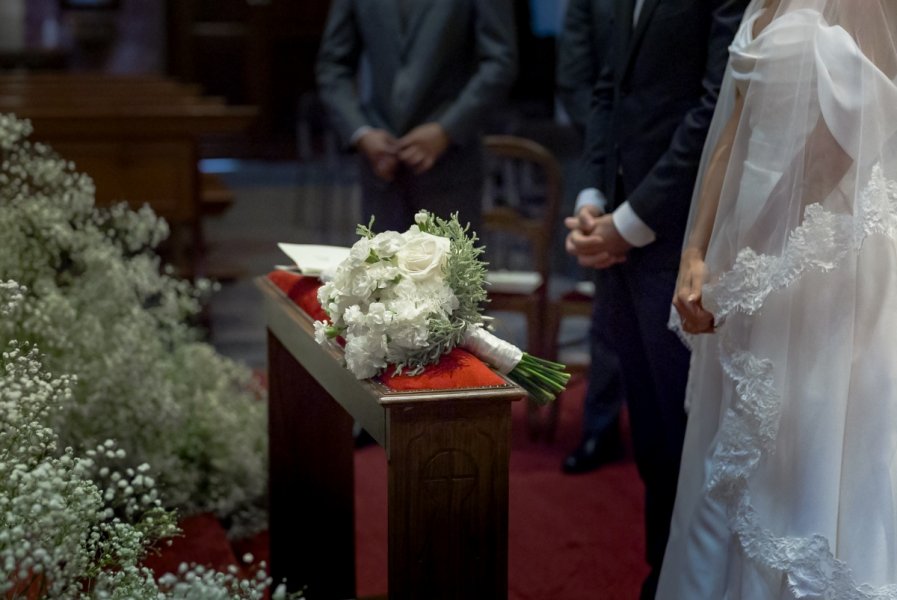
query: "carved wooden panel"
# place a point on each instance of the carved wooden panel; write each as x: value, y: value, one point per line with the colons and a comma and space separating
x: 448, y: 487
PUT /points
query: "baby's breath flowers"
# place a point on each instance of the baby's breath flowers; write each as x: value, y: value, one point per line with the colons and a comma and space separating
x: 406, y: 299
x: 75, y: 525
x: 101, y: 308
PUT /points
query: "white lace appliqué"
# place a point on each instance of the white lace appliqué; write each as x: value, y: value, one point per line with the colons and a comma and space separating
x: 819, y: 244
x: 749, y: 428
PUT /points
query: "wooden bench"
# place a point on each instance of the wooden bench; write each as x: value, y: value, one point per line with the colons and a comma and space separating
x: 136, y: 137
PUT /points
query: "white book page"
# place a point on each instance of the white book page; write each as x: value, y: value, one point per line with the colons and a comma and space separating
x: 312, y: 259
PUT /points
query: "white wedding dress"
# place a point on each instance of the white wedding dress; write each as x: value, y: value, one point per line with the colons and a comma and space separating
x: 788, y: 485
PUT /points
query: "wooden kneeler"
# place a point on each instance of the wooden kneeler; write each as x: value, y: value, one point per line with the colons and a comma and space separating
x: 446, y: 434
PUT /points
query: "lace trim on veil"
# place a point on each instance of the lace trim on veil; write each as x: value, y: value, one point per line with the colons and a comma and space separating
x: 749, y: 428
x: 819, y: 243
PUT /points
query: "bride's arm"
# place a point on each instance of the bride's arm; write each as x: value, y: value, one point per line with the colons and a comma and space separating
x: 687, y: 298
x: 816, y: 171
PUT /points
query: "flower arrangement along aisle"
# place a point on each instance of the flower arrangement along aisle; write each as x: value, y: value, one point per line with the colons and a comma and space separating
x: 406, y: 299
x: 100, y: 307
x: 75, y: 524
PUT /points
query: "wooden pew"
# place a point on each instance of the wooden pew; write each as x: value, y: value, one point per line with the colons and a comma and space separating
x: 136, y: 137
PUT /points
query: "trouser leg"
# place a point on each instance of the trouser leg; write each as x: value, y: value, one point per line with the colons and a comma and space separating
x: 634, y: 308
x: 604, y: 394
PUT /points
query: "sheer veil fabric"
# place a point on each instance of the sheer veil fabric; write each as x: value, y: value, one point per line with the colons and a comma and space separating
x: 788, y: 486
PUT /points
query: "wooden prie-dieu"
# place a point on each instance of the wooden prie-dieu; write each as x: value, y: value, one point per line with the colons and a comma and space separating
x: 446, y: 434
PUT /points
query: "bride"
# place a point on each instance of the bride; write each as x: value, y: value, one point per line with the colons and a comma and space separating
x: 788, y: 486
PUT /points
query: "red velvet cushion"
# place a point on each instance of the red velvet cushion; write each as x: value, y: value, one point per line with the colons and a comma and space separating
x: 301, y: 290
x: 457, y: 369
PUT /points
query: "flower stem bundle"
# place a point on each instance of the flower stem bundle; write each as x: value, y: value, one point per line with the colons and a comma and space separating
x: 542, y: 379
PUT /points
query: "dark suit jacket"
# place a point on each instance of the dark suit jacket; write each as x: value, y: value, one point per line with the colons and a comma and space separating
x: 453, y: 62
x: 651, y: 110
x: 583, y: 47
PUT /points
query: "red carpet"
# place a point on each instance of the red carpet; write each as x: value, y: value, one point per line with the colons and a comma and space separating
x: 571, y: 537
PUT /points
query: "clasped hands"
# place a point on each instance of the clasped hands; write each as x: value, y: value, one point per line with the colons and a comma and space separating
x: 594, y: 239
x: 419, y: 149
x: 688, y: 296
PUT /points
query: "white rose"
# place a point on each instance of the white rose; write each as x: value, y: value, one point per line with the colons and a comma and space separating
x: 423, y: 255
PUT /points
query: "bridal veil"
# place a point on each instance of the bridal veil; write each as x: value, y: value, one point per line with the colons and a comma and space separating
x: 788, y: 486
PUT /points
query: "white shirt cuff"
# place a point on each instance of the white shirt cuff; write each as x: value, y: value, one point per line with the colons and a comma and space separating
x: 591, y: 197
x: 358, y: 133
x: 631, y: 226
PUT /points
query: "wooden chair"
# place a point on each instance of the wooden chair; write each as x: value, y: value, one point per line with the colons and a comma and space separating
x: 522, y: 198
x: 575, y: 302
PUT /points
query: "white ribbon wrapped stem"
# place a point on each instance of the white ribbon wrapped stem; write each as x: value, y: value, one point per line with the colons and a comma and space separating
x: 493, y: 350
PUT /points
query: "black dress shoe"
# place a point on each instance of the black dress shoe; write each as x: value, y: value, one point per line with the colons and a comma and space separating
x: 596, y: 449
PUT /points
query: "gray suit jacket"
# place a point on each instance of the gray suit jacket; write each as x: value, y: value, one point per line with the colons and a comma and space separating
x: 452, y: 62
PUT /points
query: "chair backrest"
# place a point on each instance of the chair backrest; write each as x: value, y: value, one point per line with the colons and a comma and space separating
x: 522, y: 197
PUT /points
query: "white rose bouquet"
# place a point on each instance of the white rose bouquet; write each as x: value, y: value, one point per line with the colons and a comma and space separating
x: 406, y: 299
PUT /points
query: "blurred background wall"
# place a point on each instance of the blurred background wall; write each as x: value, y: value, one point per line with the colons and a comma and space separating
x: 258, y: 52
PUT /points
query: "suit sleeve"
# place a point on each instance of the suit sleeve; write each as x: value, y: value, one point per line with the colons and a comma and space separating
x: 496, y: 48
x: 677, y: 167
x: 589, y: 172
x: 336, y: 70
x: 576, y: 68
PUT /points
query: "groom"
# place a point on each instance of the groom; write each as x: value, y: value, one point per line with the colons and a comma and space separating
x: 649, y: 116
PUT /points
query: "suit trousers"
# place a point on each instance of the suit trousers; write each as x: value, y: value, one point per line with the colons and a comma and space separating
x: 605, y: 393
x: 631, y: 314
x: 454, y: 184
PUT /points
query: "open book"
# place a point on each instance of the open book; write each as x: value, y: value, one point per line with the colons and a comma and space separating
x: 312, y: 259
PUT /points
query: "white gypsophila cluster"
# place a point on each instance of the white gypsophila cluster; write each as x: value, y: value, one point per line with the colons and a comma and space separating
x: 189, y: 583
x: 63, y: 535
x: 383, y: 297
x: 101, y: 308
x: 11, y: 295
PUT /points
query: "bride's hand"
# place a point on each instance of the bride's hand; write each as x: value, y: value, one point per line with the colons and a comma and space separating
x: 687, y: 298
